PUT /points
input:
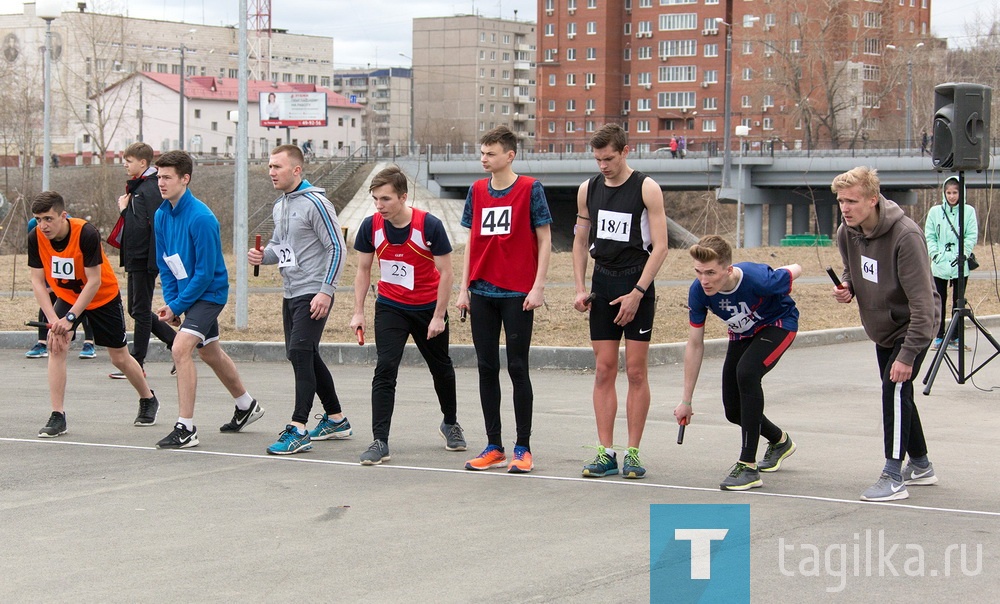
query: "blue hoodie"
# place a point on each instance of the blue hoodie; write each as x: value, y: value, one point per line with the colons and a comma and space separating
x: 189, y: 233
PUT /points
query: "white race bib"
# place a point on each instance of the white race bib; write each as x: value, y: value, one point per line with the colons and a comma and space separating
x: 496, y: 221
x: 397, y: 273
x: 616, y: 226
x: 286, y: 256
x: 869, y: 269
x: 176, y: 266
x: 62, y: 268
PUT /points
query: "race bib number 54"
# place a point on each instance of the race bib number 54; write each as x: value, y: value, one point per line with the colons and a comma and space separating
x: 616, y: 226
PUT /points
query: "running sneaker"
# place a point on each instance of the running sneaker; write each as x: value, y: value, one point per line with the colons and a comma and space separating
x: 290, y: 441
x: 119, y: 375
x: 147, y: 411
x: 377, y: 452
x: 916, y: 476
x: 603, y: 464
x: 328, y: 428
x: 886, y: 488
x: 180, y: 438
x: 936, y: 344
x: 453, y: 436
x: 741, y: 477
x: 38, y: 351
x: 775, y: 454
x: 88, y: 352
x: 491, y: 457
x: 953, y: 345
x: 522, y: 462
x: 56, y: 426
x: 243, y: 418
x: 173, y: 370
x: 632, y: 466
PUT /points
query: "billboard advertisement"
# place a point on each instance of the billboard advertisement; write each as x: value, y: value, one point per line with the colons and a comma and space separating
x: 292, y: 109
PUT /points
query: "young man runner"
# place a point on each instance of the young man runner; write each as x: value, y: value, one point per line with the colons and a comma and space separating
x: 414, y: 258
x: 887, y: 269
x: 620, y: 222
x: 762, y: 318
x: 195, y: 284
x: 308, y: 247
x: 503, y: 282
x: 66, y: 257
x: 138, y: 250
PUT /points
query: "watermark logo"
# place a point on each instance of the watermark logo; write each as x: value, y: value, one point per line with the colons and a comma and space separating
x: 699, y: 553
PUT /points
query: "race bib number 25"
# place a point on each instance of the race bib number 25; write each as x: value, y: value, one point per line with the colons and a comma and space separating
x: 397, y: 272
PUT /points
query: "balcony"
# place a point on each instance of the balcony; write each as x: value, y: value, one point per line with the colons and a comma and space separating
x: 523, y: 65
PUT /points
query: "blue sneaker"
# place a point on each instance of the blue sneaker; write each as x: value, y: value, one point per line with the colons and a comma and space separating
x: 328, y: 428
x: 88, y: 352
x: 632, y: 466
x: 38, y: 351
x: 290, y: 441
x: 603, y: 464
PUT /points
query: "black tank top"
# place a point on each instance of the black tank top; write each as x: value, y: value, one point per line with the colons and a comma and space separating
x: 619, y: 223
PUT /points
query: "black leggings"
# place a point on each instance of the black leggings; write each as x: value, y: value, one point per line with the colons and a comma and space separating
x: 942, y: 288
x: 901, y: 428
x: 747, y: 362
x: 488, y: 314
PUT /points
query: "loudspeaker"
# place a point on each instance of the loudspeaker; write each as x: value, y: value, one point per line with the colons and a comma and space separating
x: 961, y: 127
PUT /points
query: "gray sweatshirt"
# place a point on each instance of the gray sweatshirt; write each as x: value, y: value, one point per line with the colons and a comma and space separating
x: 306, y: 225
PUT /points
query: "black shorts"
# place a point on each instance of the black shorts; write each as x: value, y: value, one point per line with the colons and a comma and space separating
x: 107, y: 322
x: 302, y: 332
x: 202, y: 320
x: 608, y: 285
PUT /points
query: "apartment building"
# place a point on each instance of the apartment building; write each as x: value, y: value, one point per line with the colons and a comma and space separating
x: 385, y: 96
x: 471, y: 74
x: 93, y: 51
x: 803, y: 72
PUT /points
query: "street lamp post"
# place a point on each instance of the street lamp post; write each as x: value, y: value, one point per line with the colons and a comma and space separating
x: 412, y: 106
x: 180, y: 135
x: 49, y: 10
x: 909, y: 93
x: 727, y: 111
x: 741, y: 133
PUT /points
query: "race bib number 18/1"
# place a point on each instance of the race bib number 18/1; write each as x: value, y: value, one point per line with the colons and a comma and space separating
x: 63, y: 268
x: 616, y: 226
x: 496, y: 221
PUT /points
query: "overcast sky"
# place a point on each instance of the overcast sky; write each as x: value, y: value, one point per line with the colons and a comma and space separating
x: 374, y: 32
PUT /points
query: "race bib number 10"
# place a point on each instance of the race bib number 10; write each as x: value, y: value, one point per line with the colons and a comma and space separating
x: 616, y: 226
x: 397, y: 273
x: 63, y: 268
x: 496, y: 221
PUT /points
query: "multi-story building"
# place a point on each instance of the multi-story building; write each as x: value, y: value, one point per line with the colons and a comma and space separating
x: 471, y: 74
x: 385, y: 96
x: 803, y: 72
x: 92, y: 51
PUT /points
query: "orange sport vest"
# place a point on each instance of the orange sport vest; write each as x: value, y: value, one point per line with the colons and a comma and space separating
x: 64, y: 271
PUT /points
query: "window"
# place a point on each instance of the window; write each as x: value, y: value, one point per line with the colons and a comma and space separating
x: 552, y: 105
x: 591, y: 28
x: 642, y: 126
x: 550, y: 55
x: 645, y: 29
x: 552, y: 79
x: 678, y: 48
x: 570, y: 126
x: 675, y: 100
x: 678, y: 73
x: 571, y: 29
x: 644, y: 78
x: 768, y: 101
x: 747, y: 73
x: 710, y: 103
x: 873, y: 20
x: 570, y: 54
x: 591, y: 104
x: 708, y: 125
x: 571, y: 79
x: 745, y: 101
x: 871, y: 100
x: 871, y: 73
x: 591, y: 54
x: 590, y: 126
x: 747, y: 47
x: 855, y: 21
x: 627, y: 54
x: 745, y: 122
x: 571, y: 105
x: 711, y: 50
x: 197, y: 113
x: 646, y: 52
x: 795, y: 46
x: 627, y: 79
x: 215, y: 126
x: 628, y: 29
x: 591, y: 79
x: 552, y: 127
x: 643, y: 105
x: 873, y: 46
x: 678, y: 21
x: 593, y: 3
x: 711, y: 76
x: 550, y: 29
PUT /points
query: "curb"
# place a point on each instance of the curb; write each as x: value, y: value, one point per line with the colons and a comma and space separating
x: 542, y: 357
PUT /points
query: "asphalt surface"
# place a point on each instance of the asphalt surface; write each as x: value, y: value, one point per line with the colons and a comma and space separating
x: 100, y: 515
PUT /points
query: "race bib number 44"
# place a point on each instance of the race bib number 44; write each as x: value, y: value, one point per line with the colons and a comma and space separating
x: 397, y: 273
x: 496, y: 221
x: 62, y: 268
x: 616, y: 226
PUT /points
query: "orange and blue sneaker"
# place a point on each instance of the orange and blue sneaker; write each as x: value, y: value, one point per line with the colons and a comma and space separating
x: 491, y: 457
x: 522, y: 462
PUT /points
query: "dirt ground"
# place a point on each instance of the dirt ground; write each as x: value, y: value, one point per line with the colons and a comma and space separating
x: 556, y: 324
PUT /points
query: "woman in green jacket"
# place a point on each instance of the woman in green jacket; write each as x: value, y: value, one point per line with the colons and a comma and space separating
x: 941, y: 231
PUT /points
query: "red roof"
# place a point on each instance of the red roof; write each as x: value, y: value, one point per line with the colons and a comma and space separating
x: 227, y: 89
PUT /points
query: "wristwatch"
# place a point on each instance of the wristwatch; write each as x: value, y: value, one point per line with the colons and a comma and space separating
x: 71, y: 317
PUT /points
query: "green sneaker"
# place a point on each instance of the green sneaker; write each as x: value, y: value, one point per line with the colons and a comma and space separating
x: 741, y: 478
x: 603, y: 464
x: 632, y: 466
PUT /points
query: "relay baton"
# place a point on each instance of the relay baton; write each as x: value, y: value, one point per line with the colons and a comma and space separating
x: 834, y: 277
x: 464, y: 312
x: 38, y: 324
x: 360, y: 332
x: 680, y: 431
x: 256, y: 268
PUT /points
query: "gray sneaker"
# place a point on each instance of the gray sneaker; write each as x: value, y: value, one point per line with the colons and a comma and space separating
x: 775, y: 454
x: 912, y: 475
x: 453, y: 436
x: 885, y: 489
x: 741, y: 478
x: 377, y: 452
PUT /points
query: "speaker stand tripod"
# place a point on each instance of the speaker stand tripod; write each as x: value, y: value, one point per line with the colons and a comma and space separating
x: 961, y: 312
